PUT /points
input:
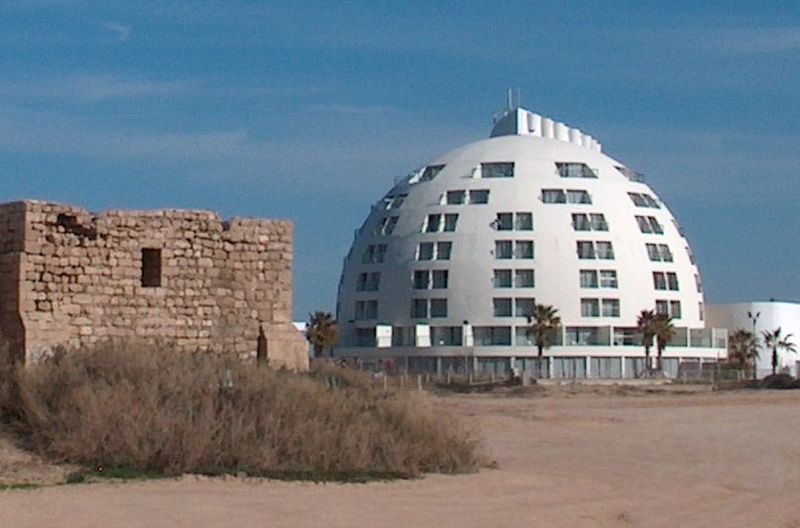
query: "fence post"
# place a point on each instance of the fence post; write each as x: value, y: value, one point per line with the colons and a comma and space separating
x: 419, y: 382
x: 385, y: 383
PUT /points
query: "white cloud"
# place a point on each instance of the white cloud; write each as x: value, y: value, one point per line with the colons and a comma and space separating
x: 89, y: 88
x: 754, y: 40
x: 122, y: 32
x: 350, y: 109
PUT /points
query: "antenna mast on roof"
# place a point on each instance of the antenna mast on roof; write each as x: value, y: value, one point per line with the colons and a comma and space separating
x: 513, y: 102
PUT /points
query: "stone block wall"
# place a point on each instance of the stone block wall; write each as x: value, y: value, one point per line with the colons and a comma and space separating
x: 183, y: 277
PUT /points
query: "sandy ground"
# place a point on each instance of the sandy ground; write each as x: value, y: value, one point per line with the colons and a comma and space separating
x: 716, y: 460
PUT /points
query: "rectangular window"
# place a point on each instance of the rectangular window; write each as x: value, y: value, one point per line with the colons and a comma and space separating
x: 523, y: 222
x: 420, y: 280
x: 637, y: 199
x: 369, y: 281
x: 598, y: 221
x: 443, y: 250
x: 691, y: 255
x: 374, y: 254
x: 505, y: 221
x: 523, y: 249
x: 446, y: 335
x: 653, y: 252
x: 588, y: 278
x: 492, y: 335
x: 501, y: 306
x: 456, y: 197
x: 450, y: 221
x: 659, y: 280
x: 605, y: 250
x: 366, y: 310
x: 394, y: 202
x: 698, y: 283
x: 479, y: 196
x: 365, y: 337
x: 608, y: 279
x: 655, y: 226
x: 675, y: 309
x: 575, y: 170
x: 586, y: 250
x: 662, y: 307
x: 425, y: 251
x: 650, y: 201
x: 440, y: 279
x: 430, y: 172
x: 580, y: 222
x: 432, y: 223
x: 585, y: 336
x: 632, y: 175
x: 665, y: 253
x: 387, y: 225
x: 497, y: 170
x: 702, y: 311
x: 151, y: 268
x: 524, y: 278
x: 438, y: 308
x: 672, y: 281
x: 502, y: 278
x: 644, y: 225
x: 419, y: 308
x: 610, y: 307
x: 553, y: 196
x: 503, y: 249
x: 578, y: 197
x: 523, y: 306
x: 590, y: 308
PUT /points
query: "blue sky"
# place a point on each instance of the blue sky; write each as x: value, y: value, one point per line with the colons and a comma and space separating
x: 305, y: 111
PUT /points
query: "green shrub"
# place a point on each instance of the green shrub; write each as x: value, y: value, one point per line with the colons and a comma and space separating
x: 147, y: 409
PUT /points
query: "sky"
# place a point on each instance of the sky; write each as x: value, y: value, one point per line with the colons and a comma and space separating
x: 309, y: 111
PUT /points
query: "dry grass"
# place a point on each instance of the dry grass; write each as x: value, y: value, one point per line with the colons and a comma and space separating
x: 136, y: 407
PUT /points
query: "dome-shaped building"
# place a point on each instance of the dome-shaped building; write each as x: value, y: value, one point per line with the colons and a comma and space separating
x: 446, y: 270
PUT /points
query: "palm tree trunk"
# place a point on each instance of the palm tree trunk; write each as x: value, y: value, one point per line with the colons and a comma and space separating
x: 774, y: 359
x: 646, y: 359
x: 540, y: 349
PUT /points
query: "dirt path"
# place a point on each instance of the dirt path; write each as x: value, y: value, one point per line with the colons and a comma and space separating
x: 674, y: 461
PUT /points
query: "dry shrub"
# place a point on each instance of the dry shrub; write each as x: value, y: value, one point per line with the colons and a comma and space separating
x: 133, y: 406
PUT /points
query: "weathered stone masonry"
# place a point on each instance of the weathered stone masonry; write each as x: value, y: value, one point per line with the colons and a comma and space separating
x: 68, y: 277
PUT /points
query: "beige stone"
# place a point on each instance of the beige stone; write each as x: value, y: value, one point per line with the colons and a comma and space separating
x: 68, y: 277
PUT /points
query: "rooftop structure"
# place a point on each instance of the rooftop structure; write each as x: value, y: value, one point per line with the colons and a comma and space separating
x: 448, y: 265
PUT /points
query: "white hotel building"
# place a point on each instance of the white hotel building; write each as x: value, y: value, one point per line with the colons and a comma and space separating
x: 448, y: 265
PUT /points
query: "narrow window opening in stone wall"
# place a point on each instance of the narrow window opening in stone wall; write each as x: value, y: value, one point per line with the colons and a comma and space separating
x: 151, y: 268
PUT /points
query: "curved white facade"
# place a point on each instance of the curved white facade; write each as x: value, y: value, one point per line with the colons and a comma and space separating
x: 451, y: 260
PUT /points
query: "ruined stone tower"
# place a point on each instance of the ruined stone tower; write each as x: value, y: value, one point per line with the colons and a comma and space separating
x: 71, y: 278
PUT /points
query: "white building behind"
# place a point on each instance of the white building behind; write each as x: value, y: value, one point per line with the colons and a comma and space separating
x: 761, y: 317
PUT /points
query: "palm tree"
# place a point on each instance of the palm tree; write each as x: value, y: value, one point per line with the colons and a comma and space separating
x: 321, y: 332
x: 743, y: 349
x: 664, y: 332
x: 646, y: 324
x: 775, y: 341
x: 544, y: 325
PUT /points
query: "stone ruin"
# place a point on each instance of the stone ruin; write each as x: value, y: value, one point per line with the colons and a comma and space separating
x: 69, y: 278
